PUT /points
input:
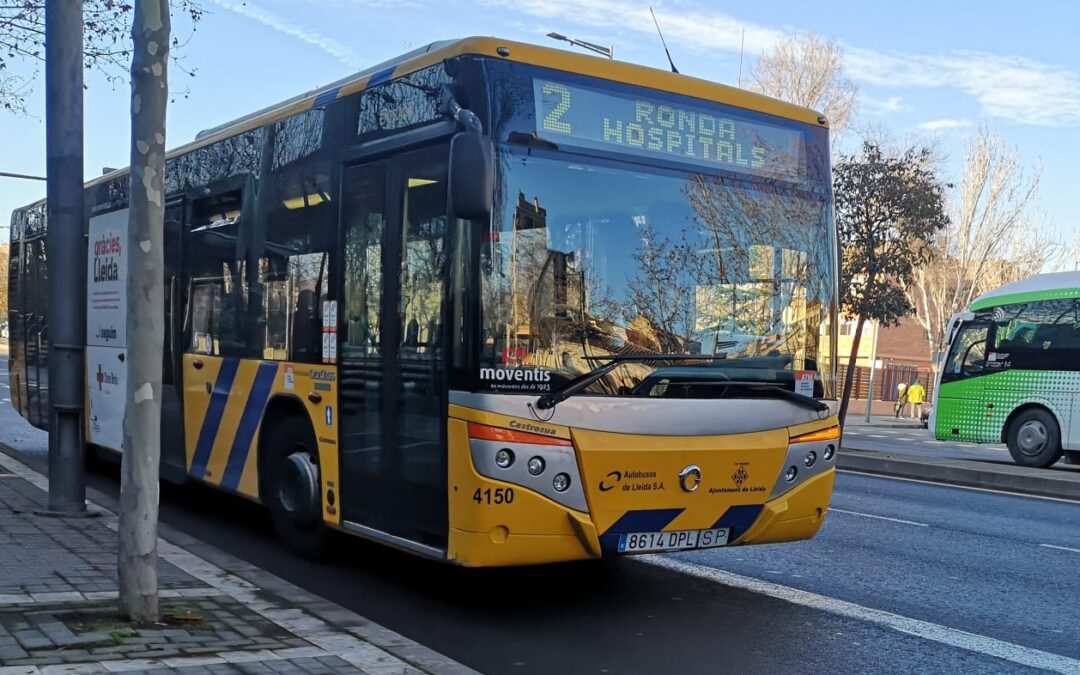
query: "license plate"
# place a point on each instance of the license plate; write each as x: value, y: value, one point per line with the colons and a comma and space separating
x: 680, y: 540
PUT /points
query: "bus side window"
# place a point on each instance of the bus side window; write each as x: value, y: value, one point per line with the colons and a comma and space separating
x: 218, y: 279
x: 1039, y: 335
x: 294, y: 256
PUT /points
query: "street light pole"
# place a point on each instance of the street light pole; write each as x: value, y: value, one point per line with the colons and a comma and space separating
x: 67, y: 253
x: 873, y: 367
x: 608, y: 51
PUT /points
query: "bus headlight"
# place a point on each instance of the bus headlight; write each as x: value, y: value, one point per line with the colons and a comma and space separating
x: 546, y: 464
x: 808, y: 455
x: 504, y: 458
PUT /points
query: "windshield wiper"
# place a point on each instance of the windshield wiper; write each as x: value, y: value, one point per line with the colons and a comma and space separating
x: 774, y: 390
x: 579, y: 383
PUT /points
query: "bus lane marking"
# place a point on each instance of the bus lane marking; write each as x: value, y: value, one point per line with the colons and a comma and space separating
x: 961, y: 639
x: 870, y: 515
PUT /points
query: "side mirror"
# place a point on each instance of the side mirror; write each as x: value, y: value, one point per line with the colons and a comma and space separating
x: 471, y: 184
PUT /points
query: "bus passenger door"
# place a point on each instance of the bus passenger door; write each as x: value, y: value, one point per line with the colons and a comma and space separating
x: 391, y: 356
x: 173, y: 463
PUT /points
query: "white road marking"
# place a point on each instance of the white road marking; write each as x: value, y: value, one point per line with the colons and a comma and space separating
x: 1060, y: 548
x: 876, y: 436
x: 972, y: 642
x: 959, y: 487
x: 870, y: 515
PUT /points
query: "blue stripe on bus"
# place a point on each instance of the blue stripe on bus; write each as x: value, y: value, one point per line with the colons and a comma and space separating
x: 381, y: 76
x: 326, y: 97
x: 212, y: 420
x: 249, y: 424
x: 739, y: 519
x: 651, y: 520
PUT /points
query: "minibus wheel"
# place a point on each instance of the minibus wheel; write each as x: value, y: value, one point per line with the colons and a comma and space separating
x: 1034, y: 438
x: 293, y: 488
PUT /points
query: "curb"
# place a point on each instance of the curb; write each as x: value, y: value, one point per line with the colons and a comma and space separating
x: 963, y: 472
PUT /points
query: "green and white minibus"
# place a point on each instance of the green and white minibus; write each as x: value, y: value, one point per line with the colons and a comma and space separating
x: 1012, y: 371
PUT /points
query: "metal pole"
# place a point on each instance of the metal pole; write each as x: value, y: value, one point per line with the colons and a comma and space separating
x: 873, y: 364
x: 66, y: 253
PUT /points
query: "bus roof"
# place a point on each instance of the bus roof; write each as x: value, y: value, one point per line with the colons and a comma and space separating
x: 548, y: 57
x: 1053, y: 286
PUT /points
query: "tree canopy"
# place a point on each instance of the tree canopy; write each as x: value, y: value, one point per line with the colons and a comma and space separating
x: 888, y: 205
x: 106, y: 41
x: 991, y: 238
x: 808, y: 70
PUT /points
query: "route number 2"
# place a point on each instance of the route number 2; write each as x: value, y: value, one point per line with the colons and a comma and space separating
x: 553, y: 120
x: 496, y: 496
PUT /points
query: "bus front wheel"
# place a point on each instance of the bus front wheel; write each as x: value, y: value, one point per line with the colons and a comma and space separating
x: 293, y: 488
x: 1034, y: 438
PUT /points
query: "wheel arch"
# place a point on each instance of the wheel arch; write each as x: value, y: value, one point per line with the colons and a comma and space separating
x: 278, y: 409
x: 1031, y: 405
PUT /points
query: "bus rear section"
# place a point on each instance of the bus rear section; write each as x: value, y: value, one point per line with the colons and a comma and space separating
x: 655, y: 476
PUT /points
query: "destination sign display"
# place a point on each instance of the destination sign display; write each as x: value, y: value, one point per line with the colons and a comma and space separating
x: 603, y: 120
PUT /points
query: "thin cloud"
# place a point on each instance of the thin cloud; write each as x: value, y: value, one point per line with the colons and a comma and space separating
x: 328, y: 45
x: 1013, y: 88
x: 944, y: 124
x: 884, y: 106
x: 698, y: 30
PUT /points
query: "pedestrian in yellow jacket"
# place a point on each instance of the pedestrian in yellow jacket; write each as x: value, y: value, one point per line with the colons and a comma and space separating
x: 916, y: 395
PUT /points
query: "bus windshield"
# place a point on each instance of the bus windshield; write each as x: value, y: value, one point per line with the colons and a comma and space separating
x: 589, y: 257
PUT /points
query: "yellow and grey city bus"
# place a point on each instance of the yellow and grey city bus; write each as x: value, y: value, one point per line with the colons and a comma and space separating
x: 489, y: 303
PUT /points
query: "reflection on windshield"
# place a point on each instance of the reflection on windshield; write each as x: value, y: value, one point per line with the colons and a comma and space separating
x: 590, y: 260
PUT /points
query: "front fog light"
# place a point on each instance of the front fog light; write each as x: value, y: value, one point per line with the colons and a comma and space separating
x: 536, y: 466
x: 829, y: 452
x: 504, y: 458
x: 561, y: 483
x: 811, y: 458
x: 791, y: 473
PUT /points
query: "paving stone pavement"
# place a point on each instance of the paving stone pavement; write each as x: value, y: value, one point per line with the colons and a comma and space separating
x: 58, y: 589
x: 44, y: 556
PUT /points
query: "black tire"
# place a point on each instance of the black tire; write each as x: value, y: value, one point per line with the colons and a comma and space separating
x: 1034, y: 438
x: 296, y: 510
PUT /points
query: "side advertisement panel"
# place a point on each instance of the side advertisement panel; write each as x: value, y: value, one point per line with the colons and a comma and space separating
x: 106, y: 328
x: 106, y: 381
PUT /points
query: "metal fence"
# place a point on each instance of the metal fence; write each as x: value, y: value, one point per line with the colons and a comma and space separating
x: 886, y: 381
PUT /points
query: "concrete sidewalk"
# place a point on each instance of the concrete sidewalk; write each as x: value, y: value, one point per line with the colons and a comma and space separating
x: 882, y: 422
x: 869, y: 448
x: 58, y: 591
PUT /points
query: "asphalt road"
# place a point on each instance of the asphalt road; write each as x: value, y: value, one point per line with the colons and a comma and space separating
x: 957, y: 581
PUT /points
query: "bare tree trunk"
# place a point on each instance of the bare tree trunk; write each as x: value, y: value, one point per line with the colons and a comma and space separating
x: 145, y: 313
x: 852, y: 364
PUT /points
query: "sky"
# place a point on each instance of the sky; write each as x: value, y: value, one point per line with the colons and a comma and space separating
x: 926, y: 70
